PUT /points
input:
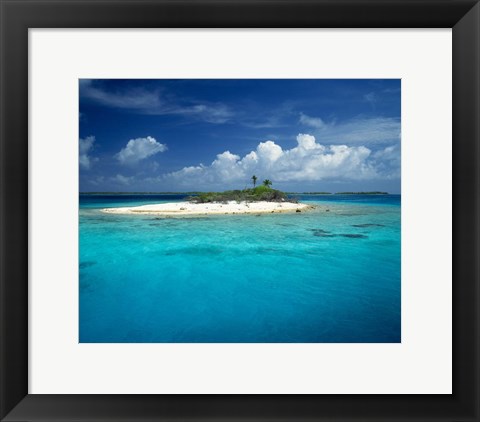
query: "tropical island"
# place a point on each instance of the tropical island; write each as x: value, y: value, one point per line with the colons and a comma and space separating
x: 257, y: 200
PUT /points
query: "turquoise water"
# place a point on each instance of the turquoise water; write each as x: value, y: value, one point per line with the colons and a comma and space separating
x: 322, y: 276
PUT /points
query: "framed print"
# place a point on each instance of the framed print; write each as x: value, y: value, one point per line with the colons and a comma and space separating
x: 230, y: 210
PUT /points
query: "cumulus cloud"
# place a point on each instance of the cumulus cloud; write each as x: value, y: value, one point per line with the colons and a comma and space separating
x: 138, y: 149
x: 307, y: 161
x: 85, y: 146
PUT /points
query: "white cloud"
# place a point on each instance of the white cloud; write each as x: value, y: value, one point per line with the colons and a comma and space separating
x: 122, y: 180
x: 136, y: 99
x: 315, y: 122
x: 216, y: 113
x: 371, y: 98
x: 361, y: 130
x: 387, y: 161
x: 97, y: 181
x: 138, y: 149
x: 308, y: 161
x: 154, y: 102
x: 391, y: 90
x: 85, y: 146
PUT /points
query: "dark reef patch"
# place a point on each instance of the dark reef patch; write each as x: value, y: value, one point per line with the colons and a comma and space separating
x: 325, y: 233
x: 322, y: 233
x: 354, y: 236
x: 319, y: 231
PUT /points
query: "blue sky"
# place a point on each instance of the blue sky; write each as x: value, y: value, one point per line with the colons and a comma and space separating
x: 198, y: 134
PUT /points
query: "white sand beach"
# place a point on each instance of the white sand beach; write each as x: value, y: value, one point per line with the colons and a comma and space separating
x: 230, y: 207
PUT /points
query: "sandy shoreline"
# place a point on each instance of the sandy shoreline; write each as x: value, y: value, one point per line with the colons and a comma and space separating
x: 231, y: 207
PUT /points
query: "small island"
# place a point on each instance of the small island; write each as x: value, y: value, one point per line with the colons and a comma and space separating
x: 257, y: 200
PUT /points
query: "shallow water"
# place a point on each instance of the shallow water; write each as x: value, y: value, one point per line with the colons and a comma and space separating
x: 320, y: 276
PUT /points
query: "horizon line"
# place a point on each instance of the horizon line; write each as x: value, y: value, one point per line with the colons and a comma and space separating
x: 192, y: 192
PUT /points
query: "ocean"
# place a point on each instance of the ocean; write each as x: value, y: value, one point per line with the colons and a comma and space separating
x: 331, y: 275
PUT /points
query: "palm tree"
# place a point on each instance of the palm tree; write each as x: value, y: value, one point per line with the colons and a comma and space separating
x: 254, y: 178
x: 267, y: 183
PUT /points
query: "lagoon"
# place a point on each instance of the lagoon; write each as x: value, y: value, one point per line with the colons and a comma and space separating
x: 331, y: 275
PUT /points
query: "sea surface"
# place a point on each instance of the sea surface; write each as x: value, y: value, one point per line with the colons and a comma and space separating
x: 331, y: 275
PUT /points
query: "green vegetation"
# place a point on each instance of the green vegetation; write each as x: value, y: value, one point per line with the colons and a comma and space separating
x: 362, y: 193
x: 259, y: 193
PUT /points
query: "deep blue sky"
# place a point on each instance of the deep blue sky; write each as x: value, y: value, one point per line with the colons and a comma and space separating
x: 198, y: 134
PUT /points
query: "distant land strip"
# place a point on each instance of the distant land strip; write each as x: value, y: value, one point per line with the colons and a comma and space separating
x: 362, y: 193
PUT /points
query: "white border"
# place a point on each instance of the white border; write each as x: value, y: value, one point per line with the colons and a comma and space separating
x: 420, y: 364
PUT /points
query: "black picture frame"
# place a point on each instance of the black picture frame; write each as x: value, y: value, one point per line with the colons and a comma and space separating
x: 17, y: 16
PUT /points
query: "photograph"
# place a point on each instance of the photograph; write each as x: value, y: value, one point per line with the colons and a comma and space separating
x: 239, y: 211
x: 271, y: 213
